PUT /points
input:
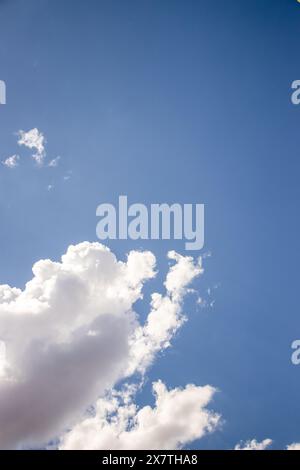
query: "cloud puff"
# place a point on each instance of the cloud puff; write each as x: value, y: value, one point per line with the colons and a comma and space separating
x: 295, y: 446
x: 34, y: 139
x: 11, y: 162
x: 254, y: 445
x: 72, y: 334
x: 178, y: 417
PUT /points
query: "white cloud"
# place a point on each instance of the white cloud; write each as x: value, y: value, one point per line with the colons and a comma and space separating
x: 166, y: 316
x: 3, y: 364
x: 11, y: 162
x: 254, y: 445
x: 34, y: 139
x: 72, y: 334
x: 178, y: 417
x: 67, y: 177
x: 53, y: 163
x: 295, y: 446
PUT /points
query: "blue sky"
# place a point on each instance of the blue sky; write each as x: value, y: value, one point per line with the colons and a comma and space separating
x: 182, y: 101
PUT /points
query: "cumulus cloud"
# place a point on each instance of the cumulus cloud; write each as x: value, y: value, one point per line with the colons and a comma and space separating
x: 254, y: 445
x: 11, y: 162
x: 72, y: 334
x: 166, y: 316
x: 178, y: 417
x: 295, y: 446
x: 34, y: 140
x: 3, y: 364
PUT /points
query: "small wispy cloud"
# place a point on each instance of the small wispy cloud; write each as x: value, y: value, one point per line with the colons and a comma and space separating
x: 68, y: 176
x: 34, y: 139
x: 53, y: 163
x: 254, y: 445
x: 11, y: 162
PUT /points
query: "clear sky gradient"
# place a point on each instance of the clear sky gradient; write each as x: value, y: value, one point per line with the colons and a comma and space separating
x: 170, y: 101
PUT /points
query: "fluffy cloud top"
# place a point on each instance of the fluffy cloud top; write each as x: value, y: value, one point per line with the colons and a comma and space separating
x: 178, y: 417
x: 254, y: 445
x: 33, y: 139
x: 72, y: 334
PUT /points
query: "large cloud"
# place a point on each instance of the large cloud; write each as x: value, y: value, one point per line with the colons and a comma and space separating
x: 72, y: 334
x: 178, y: 417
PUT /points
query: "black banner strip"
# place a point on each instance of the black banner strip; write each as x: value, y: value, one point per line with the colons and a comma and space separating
x: 133, y: 459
